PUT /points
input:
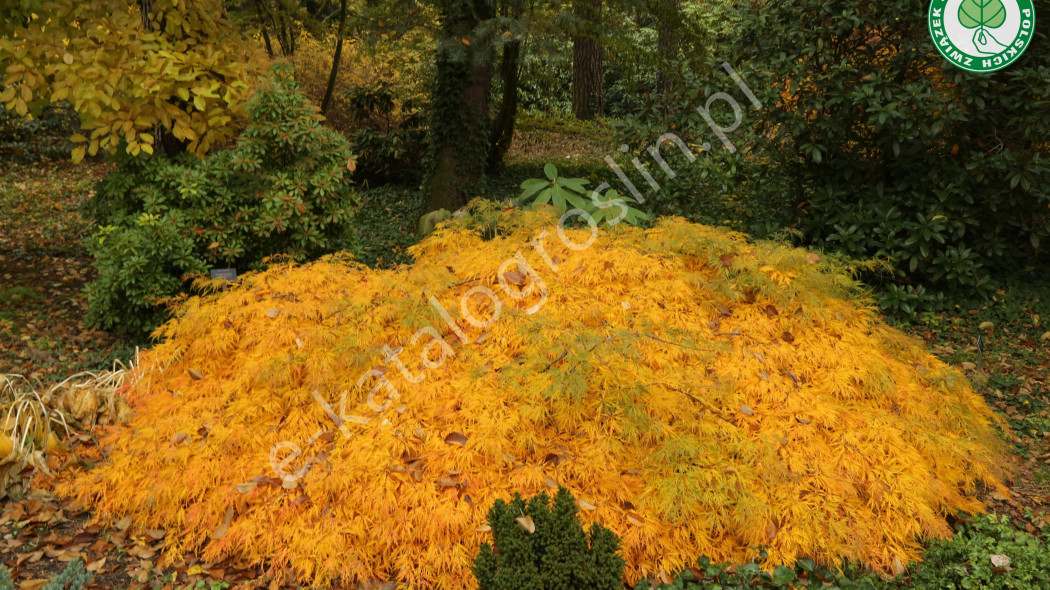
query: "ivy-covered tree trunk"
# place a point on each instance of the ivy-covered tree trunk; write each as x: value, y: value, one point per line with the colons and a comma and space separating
x: 587, y: 66
x: 459, y: 128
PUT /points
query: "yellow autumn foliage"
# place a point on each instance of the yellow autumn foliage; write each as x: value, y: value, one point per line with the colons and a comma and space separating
x: 700, y: 394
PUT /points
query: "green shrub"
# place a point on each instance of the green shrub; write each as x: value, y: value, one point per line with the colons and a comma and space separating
x: 384, y: 236
x: 571, y: 194
x: 556, y: 555
x: 986, y: 554
x: 805, y: 574
x: 283, y: 188
x: 389, y: 136
x: 139, y: 267
x: 888, y: 150
x: 718, y: 187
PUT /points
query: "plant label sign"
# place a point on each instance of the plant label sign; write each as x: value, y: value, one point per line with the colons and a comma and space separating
x: 227, y: 275
x: 982, y: 35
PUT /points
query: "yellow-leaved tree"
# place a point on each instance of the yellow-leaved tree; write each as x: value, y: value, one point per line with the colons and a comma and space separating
x: 698, y: 393
x: 131, y: 70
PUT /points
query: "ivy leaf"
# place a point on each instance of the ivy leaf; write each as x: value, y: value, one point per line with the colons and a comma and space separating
x: 982, y: 13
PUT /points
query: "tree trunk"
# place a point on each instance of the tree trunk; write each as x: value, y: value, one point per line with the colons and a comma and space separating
x: 262, y: 28
x: 668, y: 15
x: 503, y: 126
x: 335, y: 60
x: 460, y: 149
x: 587, y: 68
x: 459, y: 128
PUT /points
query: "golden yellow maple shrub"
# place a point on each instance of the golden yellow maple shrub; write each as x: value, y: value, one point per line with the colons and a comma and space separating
x: 699, y: 394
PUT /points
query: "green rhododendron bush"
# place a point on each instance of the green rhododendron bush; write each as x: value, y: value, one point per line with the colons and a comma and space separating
x: 696, y: 392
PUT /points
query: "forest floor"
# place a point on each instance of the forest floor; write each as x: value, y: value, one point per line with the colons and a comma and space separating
x: 44, y: 267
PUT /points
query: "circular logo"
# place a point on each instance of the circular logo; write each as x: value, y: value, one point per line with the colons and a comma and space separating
x: 982, y: 35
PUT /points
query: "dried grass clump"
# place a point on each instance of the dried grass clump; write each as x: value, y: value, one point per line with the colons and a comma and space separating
x: 699, y: 394
x: 34, y: 421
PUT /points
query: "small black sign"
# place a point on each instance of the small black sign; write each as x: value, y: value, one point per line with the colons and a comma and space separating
x: 980, y: 343
x: 226, y: 274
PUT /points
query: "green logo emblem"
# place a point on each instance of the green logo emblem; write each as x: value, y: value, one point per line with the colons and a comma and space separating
x: 982, y: 35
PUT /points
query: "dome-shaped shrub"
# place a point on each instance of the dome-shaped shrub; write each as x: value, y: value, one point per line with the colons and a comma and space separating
x: 698, y: 393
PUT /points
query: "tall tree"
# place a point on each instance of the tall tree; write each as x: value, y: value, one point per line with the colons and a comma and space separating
x: 459, y: 128
x: 336, y: 58
x: 510, y: 82
x: 587, y: 64
x: 669, y: 18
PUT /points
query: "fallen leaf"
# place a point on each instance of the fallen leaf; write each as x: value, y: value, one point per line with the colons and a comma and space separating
x: 526, y: 523
x: 273, y: 313
x: 1000, y: 560
x: 726, y: 260
x: 95, y: 566
x: 746, y: 410
x: 771, y: 531
x: 32, y: 557
x: 802, y: 420
x: 142, y: 552
x: 483, y: 528
x: 586, y: 505
x: 813, y: 258
x: 898, y: 567
x: 225, y: 526
x: 634, y: 521
x: 515, y: 277
x: 35, y: 584
x: 195, y: 374
x: 456, y: 438
x: 986, y: 326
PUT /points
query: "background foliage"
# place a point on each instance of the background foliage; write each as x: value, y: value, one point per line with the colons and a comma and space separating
x: 887, y: 150
x: 130, y: 70
x: 282, y: 189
